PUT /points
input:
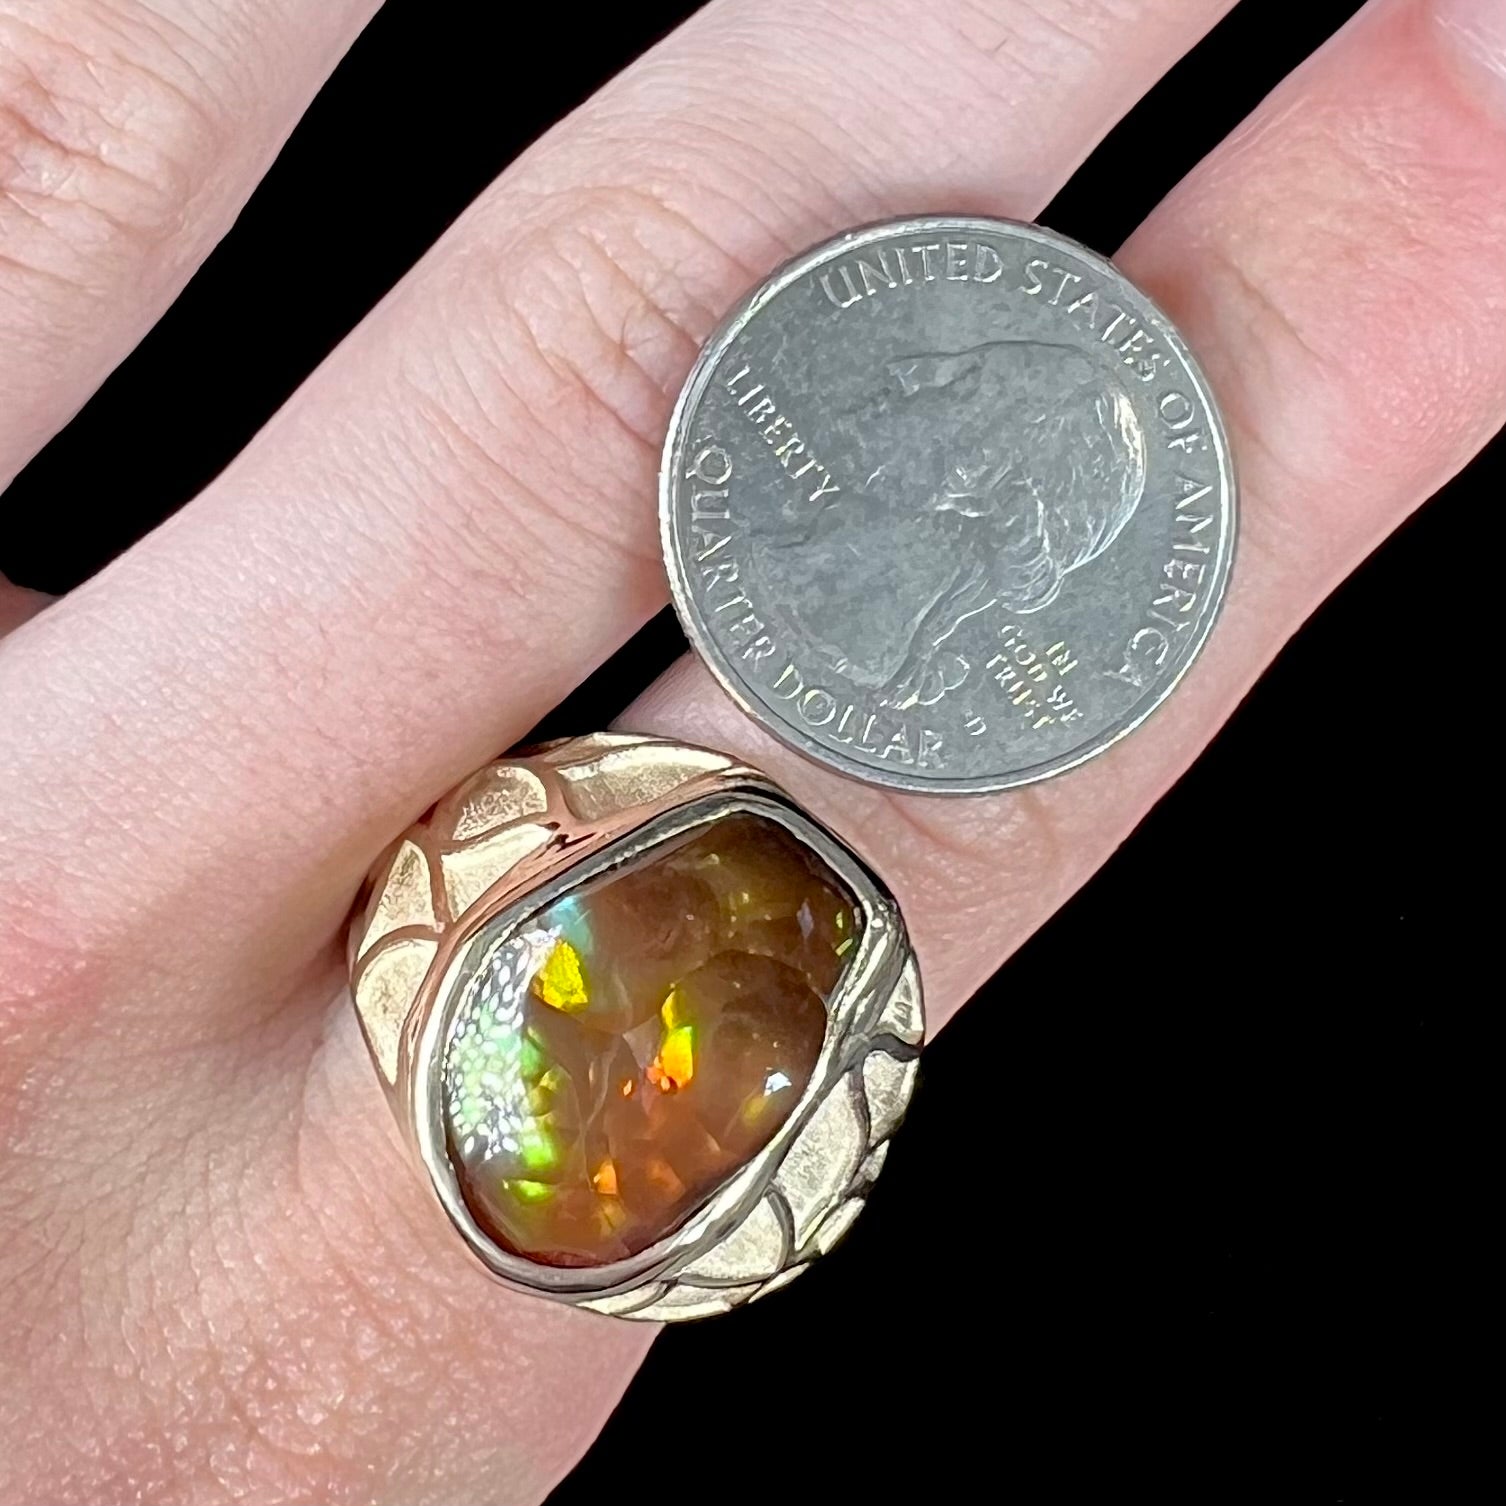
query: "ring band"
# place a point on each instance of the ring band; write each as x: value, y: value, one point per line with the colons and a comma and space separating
x: 647, y: 1026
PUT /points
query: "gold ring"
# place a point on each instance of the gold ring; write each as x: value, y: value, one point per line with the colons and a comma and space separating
x: 647, y: 1026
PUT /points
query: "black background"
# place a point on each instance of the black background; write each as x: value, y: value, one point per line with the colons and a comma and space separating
x: 1178, y: 1213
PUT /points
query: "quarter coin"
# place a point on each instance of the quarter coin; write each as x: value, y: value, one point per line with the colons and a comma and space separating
x: 947, y: 504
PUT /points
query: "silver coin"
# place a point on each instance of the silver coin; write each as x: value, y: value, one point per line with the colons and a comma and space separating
x: 947, y: 504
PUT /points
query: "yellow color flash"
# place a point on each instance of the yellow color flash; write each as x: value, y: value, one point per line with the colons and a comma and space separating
x: 674, y: 1066
x: 560, y: 982
x: 604, y: 1180
x: 672, y: 1011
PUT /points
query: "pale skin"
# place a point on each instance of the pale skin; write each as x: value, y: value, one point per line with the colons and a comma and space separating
x: 218, y: 1274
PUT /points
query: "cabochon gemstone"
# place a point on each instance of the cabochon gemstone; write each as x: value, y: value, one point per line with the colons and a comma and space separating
x: 619, y: 1056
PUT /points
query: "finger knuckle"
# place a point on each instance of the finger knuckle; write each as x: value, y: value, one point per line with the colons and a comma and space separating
x: 1342, y: 275
x: 106, y: 136
x: 607, y: 289
x: 1277, y: 381
x: 563, y: 342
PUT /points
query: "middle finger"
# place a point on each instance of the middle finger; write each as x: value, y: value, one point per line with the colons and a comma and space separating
x: 453, y: 521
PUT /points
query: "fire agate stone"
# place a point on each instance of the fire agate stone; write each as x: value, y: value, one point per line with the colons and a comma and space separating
x: 621, y: 1054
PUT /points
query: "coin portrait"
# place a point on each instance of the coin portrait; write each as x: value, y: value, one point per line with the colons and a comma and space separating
x: 1029, y: 463
x: 947, y: 505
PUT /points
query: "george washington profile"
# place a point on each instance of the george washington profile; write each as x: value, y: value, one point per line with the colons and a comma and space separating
x: 991, y: 475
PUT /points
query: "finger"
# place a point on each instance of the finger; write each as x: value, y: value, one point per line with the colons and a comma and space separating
x: 454, y: 520
x: 130, y: 135
x: 1367, y: 196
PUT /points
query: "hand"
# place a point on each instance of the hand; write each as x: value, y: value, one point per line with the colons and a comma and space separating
x: 218, y: 1273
